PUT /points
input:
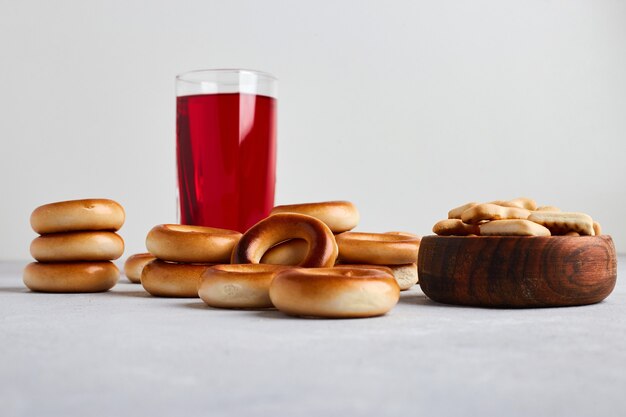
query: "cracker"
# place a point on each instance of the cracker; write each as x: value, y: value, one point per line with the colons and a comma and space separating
x: 597, y: 229
x: 520, y: 202
x: 560, y: 222
x: 456, y: 213
x: 488, y: 211
x: 513, y: 227
x: 547, y: 208
x: 454, y: 227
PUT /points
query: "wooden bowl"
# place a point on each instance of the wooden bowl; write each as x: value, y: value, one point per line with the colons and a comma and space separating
x: 517, y: 272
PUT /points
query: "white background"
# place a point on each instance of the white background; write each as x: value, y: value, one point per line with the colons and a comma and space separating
x: 406, y: 108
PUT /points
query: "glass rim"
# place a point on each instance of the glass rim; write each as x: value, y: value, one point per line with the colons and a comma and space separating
x: 182, y: 76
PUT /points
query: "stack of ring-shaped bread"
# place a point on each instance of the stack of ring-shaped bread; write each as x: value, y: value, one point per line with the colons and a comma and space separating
x: 76, y: 245
x: 287, y: 260
x: 302, y: 236
x: 182, y: 255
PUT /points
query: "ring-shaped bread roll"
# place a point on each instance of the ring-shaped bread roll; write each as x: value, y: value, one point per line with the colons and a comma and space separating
x: 75, y: 215
x: 339, y: 216
x: 381, y: 268
x: 334, y: 292
x: 195, y: 244
x: 405, y: 234
x: 289, y: 252
x: 166, y: 279
x: 71, y: 277
x: 134, y: 265
x: 238, y: 286
x: 377, y: 248
x: 284, y: 226
x: 405, y: 275
x: 77, y: 246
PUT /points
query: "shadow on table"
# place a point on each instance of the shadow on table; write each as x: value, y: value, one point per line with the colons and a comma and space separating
x: 135, y: 294
x: 14, y: 290
x: 270, y: 313
x: 197, y: 305
x: 416, y: 298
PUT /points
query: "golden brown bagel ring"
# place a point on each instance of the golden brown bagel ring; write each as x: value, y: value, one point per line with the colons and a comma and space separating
x: 339, y: 216
x: 238, y: 286
x: 196, y: 244
x: 381, y: 268
x: 284, y: 226
x: 77, y: 246
x: 334, y: 292
x: 377, y: 248
x: 71, y: 277
x: 405, y: 234
x: 166, y: 279
x: 289, y: 252
x: 134, y: 265
x: 74, y: 215
x: 405, y: 275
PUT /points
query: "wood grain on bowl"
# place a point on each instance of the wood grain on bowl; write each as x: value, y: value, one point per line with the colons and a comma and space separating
x: 517, y: 271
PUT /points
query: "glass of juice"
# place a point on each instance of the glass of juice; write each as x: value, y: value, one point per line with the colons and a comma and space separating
x: 225, y: 147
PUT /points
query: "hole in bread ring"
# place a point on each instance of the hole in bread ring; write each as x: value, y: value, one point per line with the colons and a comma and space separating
x: 284, y: 226
x: 289, y: 252
x: 334, y: 292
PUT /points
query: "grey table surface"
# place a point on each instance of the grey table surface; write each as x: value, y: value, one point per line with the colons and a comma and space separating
x: 126, y: 353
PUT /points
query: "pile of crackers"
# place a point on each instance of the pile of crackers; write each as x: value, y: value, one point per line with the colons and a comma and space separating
x: 517, y: 217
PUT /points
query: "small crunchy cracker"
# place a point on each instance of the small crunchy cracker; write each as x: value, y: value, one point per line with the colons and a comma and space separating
x: 560, y: 222
x: 513, y: 227
x: 547, y: 208
x: 520, y: 202
x: 488, y: 211
x: 454, y: 227
x: 456, y: 212
x: 572, y: 234
x: 597, y: 229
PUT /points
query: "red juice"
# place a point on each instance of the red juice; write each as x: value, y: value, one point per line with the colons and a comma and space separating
x: 226, y: 150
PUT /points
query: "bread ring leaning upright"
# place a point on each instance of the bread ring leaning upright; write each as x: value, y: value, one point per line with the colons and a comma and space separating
x: 339, y: 216
x: 284, y: 226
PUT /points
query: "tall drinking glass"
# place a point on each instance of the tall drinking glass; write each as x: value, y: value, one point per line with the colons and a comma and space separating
x: 225, y: 147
